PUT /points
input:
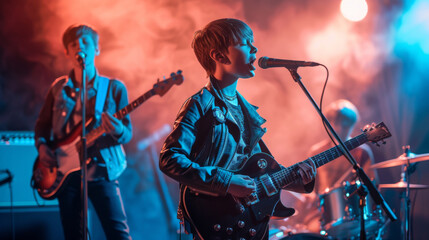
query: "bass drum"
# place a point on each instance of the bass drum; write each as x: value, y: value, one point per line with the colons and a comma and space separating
x: 341, y: 213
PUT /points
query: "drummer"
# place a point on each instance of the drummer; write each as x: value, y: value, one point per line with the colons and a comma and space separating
x: 343, y: 116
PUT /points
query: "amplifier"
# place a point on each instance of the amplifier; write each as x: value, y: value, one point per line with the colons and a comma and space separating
x: 17, y: 154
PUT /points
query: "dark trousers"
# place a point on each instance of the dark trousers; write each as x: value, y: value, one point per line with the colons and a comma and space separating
x: 106, y: 198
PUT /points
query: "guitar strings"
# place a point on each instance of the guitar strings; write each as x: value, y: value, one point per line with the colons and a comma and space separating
x: 95, y: 133
x: 127, y: 109
x: 289, y: 174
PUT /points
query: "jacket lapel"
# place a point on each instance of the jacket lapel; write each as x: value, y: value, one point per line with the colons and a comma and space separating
x: 254, y: 119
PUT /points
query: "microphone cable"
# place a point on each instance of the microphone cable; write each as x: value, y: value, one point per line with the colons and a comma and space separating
x: 12, y: 214
x: 321, y: 104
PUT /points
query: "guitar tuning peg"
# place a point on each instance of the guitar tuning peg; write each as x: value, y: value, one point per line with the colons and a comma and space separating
x: 378, y: 145
x: 384, y: 142
x: 157, y: 81
x: 366, y: 128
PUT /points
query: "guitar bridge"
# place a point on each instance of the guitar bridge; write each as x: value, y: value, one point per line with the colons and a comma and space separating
x: 251, y: 199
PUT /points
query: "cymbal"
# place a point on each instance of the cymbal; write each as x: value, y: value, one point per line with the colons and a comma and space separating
x: 402, y: 160
x: 403, y: 185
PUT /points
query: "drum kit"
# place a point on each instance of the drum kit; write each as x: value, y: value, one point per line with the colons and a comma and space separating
x: 340, y: 209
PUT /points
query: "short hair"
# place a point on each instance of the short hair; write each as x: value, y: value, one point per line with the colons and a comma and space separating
x: 342, y: 111
x: 218, y: 35
x: 75, y: 31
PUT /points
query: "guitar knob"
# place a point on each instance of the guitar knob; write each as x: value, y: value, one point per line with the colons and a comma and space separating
x: 262, y: 163
x: 229, y: 231
x: 217, y: 227
x: 240, y: 224
x: 252, y: 232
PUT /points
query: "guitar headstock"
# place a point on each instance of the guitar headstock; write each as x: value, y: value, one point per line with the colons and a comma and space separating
x: 376, y: 133
x: 161, y: 87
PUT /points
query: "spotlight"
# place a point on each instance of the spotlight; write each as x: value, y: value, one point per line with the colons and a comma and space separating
x: 354, y: 10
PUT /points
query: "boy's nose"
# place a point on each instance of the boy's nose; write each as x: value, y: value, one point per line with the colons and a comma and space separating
x: 253, y: 49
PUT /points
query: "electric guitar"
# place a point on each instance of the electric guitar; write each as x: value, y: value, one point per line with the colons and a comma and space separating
x: 216, y: 217
x: 49, y: 181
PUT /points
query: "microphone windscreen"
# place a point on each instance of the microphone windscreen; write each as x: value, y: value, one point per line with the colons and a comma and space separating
x: 262, y: 62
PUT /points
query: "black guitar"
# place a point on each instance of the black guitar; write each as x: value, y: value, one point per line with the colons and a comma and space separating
x: 228, y: 217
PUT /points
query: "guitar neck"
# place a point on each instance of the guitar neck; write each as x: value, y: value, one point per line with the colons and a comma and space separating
x: 288, y: 175
x: 97, y: 132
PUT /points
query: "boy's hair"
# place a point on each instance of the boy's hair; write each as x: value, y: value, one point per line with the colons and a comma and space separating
x: 75, y: 31
x: 342, y: 111
x: 218, y: 35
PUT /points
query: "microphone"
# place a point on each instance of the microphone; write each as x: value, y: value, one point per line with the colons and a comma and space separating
x: 80, y: 56
x: 265, y: 62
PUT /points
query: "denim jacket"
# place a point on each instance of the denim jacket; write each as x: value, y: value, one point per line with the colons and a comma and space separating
x: 51, y: 125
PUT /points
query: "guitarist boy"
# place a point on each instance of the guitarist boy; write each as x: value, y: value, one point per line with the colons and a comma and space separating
x: 61, y: 114
x: 217, y: 130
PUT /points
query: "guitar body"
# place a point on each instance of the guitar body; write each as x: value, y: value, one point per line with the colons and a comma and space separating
x: 49, y: 181
x: 230, y: 218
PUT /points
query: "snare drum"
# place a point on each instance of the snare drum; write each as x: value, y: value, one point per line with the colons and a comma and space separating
x: 341, y: 213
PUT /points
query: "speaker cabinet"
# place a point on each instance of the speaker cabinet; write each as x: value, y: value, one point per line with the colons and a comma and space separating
x: 17, y: 154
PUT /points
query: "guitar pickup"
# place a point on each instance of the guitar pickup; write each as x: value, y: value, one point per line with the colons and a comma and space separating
x: 267, y: 183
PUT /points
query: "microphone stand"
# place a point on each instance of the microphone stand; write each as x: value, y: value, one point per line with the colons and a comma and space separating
x: 362, y: 203
x: 375, y: 194
x: 83, y: 169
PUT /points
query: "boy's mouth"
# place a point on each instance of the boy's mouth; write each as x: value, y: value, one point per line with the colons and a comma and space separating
x: 251, y: 62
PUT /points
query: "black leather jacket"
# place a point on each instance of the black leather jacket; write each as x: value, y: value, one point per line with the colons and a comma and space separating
x: 198, y: 151
x: 204, y: 140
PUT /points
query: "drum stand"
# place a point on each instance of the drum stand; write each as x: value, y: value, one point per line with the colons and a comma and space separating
x: 362, y: 192
x: 405, y: 177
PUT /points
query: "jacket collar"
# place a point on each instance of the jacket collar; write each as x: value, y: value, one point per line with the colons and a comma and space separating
x: 250, y: 109
x: 255, y: 120
x: 71, y: 81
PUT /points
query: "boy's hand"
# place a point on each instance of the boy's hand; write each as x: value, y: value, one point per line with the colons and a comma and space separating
x: 307, y: 171
x: 111, y: 124
x: 47, y: 157
x: 241, y: 186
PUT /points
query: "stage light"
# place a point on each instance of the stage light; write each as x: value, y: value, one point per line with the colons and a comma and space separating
x: 354, y: 10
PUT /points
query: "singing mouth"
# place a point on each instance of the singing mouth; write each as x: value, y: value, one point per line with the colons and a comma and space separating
x: 251, y: 62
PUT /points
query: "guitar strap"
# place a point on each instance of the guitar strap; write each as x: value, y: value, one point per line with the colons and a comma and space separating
x: 103, y: 85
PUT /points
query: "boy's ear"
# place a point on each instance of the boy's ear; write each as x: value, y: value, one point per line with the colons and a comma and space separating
x: 218, y: 56
x: 66, y: 52
x: 97, y: 51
